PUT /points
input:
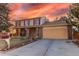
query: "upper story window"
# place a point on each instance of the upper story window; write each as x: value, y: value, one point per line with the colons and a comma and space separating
x: 31, y: 22
x: 37, y: 21
x: 22, y: 23
x: 17, y: 23
x: 43, y: 20
x: 26, y: 22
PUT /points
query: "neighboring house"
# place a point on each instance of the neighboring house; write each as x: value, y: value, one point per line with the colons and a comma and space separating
x: 59, y: 29
x: 40, y: 27
x: 30, y: 27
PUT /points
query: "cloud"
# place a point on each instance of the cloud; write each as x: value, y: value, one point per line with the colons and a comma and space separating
x: 29, y: 10
x: 60, y: 12
x: 27, y: 6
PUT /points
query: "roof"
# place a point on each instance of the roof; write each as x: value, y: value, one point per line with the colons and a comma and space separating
x: 57, y: 23
x: 35, y: 18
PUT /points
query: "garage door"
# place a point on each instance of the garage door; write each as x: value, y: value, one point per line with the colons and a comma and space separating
x: 55, y: 32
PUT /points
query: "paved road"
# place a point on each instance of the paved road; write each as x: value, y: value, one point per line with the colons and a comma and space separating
x: 45, y: 48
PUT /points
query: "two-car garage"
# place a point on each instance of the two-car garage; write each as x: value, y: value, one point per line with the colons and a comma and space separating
x: 57, y: 30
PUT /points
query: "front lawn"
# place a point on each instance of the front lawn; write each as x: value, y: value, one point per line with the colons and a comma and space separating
x: 16, y: 41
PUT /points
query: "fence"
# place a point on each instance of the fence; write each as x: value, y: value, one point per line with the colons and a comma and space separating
x: 76, y: 36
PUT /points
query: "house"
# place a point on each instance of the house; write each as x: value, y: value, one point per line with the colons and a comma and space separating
x: 40, y: 27
x: 59, y: 29
x: 30, y: 28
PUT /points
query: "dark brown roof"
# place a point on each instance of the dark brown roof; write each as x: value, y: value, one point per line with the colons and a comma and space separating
x: 57, y: 23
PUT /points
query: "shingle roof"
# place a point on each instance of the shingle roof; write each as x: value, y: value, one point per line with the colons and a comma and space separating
x: 56, y: 23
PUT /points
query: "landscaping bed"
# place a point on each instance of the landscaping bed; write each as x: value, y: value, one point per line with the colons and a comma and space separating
x: 14, y: 43
x: 76, y: 38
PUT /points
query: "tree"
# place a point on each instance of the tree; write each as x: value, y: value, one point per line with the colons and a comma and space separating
x: 74, y: 14
x: 4, y: 17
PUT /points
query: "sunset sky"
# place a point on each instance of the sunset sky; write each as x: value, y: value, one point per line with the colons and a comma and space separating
x: 30, y: 10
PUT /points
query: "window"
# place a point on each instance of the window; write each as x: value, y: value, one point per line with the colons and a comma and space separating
x: 31, y: 23
x: 22, y: 23
x: 26, y: 22
x: 36, y: 21
x: 17, y: 23
x: 43, y: 20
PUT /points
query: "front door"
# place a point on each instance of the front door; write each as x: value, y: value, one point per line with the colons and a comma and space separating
x: 23, y: 32
x: 32, y: 32
x: 35, y: 32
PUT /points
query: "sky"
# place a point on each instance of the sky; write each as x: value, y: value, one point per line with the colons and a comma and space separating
x: 31, y: 10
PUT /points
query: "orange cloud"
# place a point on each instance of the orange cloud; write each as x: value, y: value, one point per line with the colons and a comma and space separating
x: 31, y: 10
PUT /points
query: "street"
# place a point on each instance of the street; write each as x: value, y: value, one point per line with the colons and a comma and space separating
x: 45, y: 48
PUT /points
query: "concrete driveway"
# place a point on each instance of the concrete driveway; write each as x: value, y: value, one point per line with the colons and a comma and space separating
x: 45, y: 48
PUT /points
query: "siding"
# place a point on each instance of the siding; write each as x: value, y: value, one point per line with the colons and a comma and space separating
x: 31, y: 22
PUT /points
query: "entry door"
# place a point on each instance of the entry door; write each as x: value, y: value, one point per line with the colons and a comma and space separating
x: 32, y: 32
x: 23, y: 32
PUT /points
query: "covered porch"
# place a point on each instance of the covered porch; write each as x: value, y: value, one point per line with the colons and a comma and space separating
x: 30, y: 32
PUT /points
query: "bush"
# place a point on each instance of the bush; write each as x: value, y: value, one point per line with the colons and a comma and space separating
x: 17, y: 40
x: 3, y: 44
x: 13, y: 42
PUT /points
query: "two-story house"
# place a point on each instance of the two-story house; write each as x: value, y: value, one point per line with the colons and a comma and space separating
x: 40, y: 27
x: 30, y: 27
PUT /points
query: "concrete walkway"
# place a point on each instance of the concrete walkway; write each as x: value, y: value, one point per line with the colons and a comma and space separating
x: 45, y: 48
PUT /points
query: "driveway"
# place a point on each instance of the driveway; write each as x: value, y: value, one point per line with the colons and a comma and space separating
x: 45, y: 48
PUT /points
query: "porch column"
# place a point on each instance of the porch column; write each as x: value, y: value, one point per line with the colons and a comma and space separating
x: 27, y: 32
x: 40, y: 32
x: 19, y: 32
x: 70, y: 33
x: 37, y: 32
